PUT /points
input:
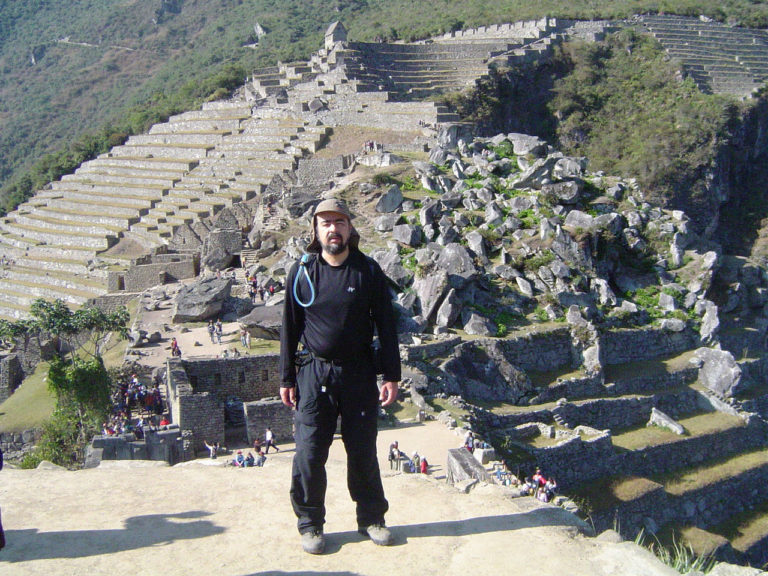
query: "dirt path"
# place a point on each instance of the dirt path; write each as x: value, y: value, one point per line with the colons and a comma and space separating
x: 206, y: 518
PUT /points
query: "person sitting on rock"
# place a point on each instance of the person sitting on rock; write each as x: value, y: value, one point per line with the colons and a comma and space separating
x: 550, y: 488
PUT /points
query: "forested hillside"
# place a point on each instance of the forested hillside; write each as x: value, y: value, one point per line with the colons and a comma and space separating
x: 77, y: 77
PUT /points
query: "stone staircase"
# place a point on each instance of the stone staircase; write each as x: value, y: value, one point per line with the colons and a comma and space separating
x: 719, y: 58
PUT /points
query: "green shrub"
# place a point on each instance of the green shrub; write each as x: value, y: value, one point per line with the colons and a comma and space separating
x: 381, y: 179
x: 535, y: 262
x: 504, y: 150
x: 541, y: 314
x: 529, y: 218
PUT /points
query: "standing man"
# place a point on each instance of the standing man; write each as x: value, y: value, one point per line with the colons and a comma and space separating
x: 269, y: 441
x: 340, y: 296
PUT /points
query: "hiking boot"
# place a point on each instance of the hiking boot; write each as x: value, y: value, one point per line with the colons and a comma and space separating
x: 313, y: 542
x: 378, y: 533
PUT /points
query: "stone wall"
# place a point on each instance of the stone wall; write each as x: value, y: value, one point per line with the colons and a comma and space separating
x: 613, y: 413
x: 249, y: 378
x: 632, y: 345
x: 272, y: 413
x: 320, y: 171
x: 11, y: 375
x: 203, y: 415
x: 431, y: 349
x: 541, y: 351
x: 758, y: 405
x: 198, y: 390
x: 704, y: 508
x: 160, y: 445
x: 14, y: 444
x: 579, y: 461
x: 538, y: 351
x: 140, y: 277
x: 111, y: 302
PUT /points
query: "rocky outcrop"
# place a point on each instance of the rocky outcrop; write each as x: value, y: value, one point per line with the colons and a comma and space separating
x: 202, y: 300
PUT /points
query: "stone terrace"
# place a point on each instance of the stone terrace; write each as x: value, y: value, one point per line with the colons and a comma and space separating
x: 181, y: 171
x: 589, y: 431
x: 720, y: 59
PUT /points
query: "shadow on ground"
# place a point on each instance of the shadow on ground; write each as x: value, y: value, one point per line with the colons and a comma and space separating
x: 139, y: 532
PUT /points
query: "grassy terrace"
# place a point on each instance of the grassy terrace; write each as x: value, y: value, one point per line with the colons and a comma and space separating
x: 606, y: 493
x: 652, y: 367
x: 744, y: 530
x: 695, y: 478
x: 30, y: 405
x: 544, y: 379
x: 698, y: 425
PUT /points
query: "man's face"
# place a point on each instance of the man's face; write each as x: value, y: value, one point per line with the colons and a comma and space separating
x: 333, y: 231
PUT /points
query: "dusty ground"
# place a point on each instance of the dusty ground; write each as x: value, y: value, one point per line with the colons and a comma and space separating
x: 206, y: 518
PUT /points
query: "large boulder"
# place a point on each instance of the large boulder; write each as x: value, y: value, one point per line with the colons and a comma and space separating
x: 263, y: 322
x: 477, y: 325
x: 456, y: 260
x: 718, y: 371
x: 407, y: 234
x: 524, y: 145
x: 431, y: 289
x: 450, y: 309
x: 392, y: 266
x: 390, y: 200
x: 568, y: 192
x: 202, y: 300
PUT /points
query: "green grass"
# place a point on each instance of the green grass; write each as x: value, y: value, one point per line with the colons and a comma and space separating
x: 652, y: 367
x: 708, y: 423
x: 544, y: 379
x: 541, y: 441
x: 744, y: 530
x: 30, y: 405
x: 403, y: 411
x: 606, y: 493
x: 443, y: 404
x: 692, y: 479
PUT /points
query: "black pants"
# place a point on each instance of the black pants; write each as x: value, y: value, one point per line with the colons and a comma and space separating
x: 326, y: 391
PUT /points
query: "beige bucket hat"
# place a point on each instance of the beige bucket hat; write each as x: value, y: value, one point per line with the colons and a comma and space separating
x: 340, y: 207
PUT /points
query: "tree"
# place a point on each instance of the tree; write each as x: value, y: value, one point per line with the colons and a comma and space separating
x: 77, y: 375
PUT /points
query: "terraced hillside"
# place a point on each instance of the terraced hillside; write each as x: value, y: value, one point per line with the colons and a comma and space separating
x: 721, y: 59
x: 190, y: 167
x: 593, y: 433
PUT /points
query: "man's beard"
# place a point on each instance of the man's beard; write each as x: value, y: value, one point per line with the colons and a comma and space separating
x: 332, y: 248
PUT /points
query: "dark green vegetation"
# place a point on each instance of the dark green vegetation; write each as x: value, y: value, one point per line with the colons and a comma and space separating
x: 623, y: 109
x: 77, y: 376
x: 77, y: 78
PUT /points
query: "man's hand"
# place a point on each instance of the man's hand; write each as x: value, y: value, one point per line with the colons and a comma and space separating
x: 288, y: 396
x: 388, y: 393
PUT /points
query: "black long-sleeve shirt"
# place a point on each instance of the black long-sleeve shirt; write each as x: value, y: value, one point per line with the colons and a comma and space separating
x: 339, y: 325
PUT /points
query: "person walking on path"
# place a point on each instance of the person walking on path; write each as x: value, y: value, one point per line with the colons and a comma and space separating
x: 269, y: 440
x: 219, y: 330
x: 332, y: 309
x: 212, y: 331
